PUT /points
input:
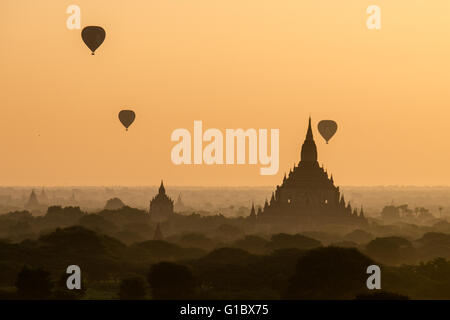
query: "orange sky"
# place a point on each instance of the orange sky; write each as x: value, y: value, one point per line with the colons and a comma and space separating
x: 248, y: 63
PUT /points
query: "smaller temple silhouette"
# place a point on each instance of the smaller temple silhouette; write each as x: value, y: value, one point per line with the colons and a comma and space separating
x: 33, y: 202
x: 179, y: 205
x: 161, y: 206
x: 43, y: 198
x: 253, y: 212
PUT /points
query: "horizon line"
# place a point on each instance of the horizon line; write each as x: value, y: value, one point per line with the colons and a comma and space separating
x: 216, y: 186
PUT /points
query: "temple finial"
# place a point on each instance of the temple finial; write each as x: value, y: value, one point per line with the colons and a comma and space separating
x: 309, y: 149
x: 309, y: 135
x: 161, y: 188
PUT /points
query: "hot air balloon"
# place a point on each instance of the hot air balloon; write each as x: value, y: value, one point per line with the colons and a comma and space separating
x: 327, y: 129
x: 127, y: 117
x: 93, y: 37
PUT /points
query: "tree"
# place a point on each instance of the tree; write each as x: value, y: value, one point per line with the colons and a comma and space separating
x: 287, y: 241
x: 252, y: 244
x: 390, y: 250
x: 33, y: 284
x: 329, y: 273
x: 390, y: 213
x: 132, y: 288
x: 171, y: 281
x: 114, y: 204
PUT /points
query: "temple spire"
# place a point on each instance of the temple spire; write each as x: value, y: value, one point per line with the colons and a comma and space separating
x: 266, y: 205
x: 309, y: 149
x: 252, y: 211
x: 309, y: 135
x: 162, y: 190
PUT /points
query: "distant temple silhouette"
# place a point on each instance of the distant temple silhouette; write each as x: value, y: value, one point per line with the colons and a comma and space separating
x: 43, y: 199
x: 34, y: 205
x: 161, y: 206
x: 307, y: 195
x: 179, y: 205
x: 253, y: 212
x: 33, y: 202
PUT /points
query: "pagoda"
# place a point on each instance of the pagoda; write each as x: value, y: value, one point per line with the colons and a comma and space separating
x: 161, y: 206
x: 308, y: 195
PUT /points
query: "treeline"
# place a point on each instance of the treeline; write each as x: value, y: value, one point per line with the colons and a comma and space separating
x: 394, y: 244
x: 127, y: 224
x: 222, y: 258
x: 293, y: 267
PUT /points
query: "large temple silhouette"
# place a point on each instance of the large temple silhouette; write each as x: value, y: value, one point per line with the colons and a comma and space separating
x: 307, y: 195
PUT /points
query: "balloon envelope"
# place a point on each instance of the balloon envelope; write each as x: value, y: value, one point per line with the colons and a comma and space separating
x: 127, y: 117
x: 93, y: 37
x: 327, y: 129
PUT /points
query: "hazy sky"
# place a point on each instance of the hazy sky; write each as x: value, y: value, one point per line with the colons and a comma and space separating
x: 247, y: 63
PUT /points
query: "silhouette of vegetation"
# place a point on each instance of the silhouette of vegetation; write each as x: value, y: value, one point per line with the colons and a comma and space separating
x: 394, y: 213
x: 252, y: 244
x: 171, y: 281
x: 329, y: 273
x: 196, y: 240
x: 114, y: 204
x: 282, y: 240
x: 358, y: 236
x: 33, y: 284
x: 391, y: 250
x: 133, y: 288
x: 219, y: 257
x: 157, y: 250
x: 434, y: 244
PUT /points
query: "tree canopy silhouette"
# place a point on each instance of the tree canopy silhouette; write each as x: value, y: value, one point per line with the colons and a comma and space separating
x: 132, y: 288
x: 329, y: 273
x: 171, y: 281
x: 33, y: 284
